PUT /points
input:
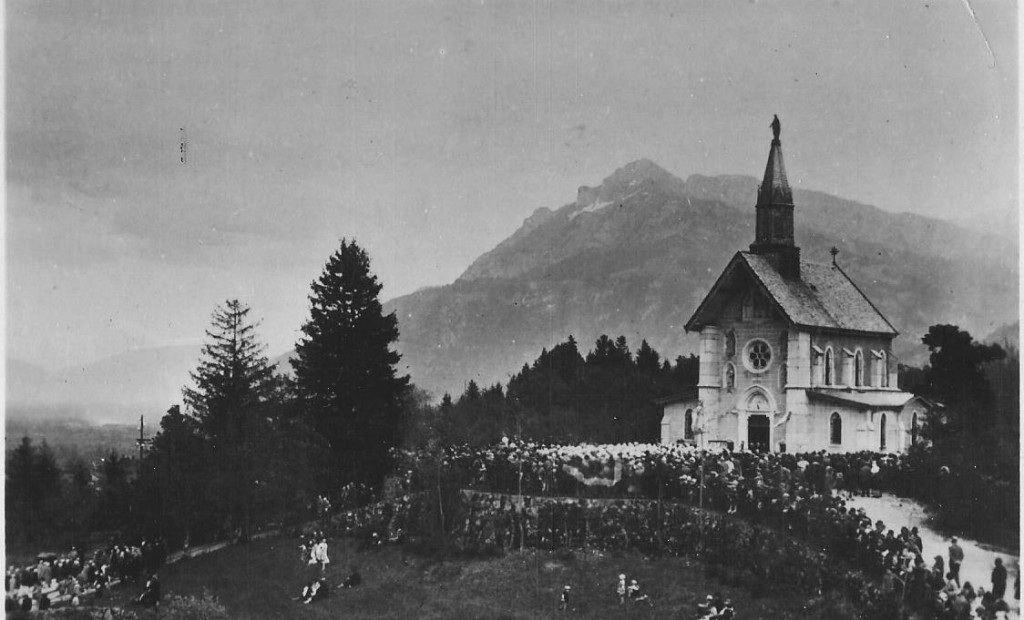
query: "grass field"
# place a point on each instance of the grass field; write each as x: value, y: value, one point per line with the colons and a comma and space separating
x: 259, y: 580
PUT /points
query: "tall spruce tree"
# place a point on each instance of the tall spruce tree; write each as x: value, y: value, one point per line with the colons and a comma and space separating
x: 345, y: 367
x: 233, y: 386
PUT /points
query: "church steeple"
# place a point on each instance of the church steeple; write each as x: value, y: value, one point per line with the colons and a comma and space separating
x: 774, y: 235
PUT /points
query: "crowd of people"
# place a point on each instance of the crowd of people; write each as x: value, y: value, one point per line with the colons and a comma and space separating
x: 523, y: 494
x: 69, y: 578
x: 666, y: 471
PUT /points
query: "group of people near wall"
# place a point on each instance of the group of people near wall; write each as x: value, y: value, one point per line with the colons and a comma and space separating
x: 71, y: 577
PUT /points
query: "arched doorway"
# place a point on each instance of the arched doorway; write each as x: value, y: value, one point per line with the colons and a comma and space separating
x: 881, y: 432
x: 759, y: 433
x: 756, y: 411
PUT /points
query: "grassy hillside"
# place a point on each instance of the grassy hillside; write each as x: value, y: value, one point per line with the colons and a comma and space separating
x: 258, y: 581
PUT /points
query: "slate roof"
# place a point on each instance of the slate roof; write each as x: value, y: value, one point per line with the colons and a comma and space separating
x: 823, y: 297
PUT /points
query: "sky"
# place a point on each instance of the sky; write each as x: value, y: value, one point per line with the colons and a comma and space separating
x: 428, y: 130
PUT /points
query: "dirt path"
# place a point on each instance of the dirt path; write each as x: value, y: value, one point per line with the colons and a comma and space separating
x: 979, y: 558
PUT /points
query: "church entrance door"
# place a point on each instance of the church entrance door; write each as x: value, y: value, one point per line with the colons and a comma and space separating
x: 759, y: 433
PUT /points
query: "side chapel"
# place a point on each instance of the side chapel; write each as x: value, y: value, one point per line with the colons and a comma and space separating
x: 793, y: 356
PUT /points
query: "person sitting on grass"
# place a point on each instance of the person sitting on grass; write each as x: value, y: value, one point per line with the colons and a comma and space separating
x: 636, y: 595
x: 707, y: 609
x: 354, y: 579
x: 316, y: 591
x: 150, y: 596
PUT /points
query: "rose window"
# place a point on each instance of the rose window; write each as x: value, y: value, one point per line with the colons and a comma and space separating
x: 759, y: 354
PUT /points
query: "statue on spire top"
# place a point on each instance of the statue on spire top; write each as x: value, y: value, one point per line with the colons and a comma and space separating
x: 776, y: 127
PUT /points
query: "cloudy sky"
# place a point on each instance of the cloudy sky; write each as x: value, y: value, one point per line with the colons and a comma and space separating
x: 428, y: 131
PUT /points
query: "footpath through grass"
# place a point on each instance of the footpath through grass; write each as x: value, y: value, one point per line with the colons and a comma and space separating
x: 259, y: 580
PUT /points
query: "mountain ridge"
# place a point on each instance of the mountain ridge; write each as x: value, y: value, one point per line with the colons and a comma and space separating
x: 636, y: 254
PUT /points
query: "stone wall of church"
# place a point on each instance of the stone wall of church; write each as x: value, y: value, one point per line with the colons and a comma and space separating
x: 673, y: 422
x: 860, y: 430
x: 741, y: 368
x: 844, y: 350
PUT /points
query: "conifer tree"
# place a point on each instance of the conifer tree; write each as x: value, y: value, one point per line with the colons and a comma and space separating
x: 233, y: 377
x: 345, y: 366
x: 230, y: 400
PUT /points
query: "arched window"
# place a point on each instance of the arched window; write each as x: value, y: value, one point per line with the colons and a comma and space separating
x: 688, y: 425
x: 835, y: 429
x: 730, y: 344
x: 858, y: 369
x: 730, y: 377
x: 829, y: 368
x: 784, y: 345
x: 883, y: 364
x: 881, y: 432
x: 783, y: 376
x: 913, y: 429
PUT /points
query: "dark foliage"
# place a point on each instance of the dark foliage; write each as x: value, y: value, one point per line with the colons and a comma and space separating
x: 345, y: 368
x: 32, y: 491
x: 609, y: 396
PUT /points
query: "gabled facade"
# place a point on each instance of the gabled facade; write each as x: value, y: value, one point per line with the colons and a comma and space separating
x: 793, y: 356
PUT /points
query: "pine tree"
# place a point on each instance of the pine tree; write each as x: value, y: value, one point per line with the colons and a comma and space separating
x: 233, y: 387
x: 233, y: 378
x: 345, y: 367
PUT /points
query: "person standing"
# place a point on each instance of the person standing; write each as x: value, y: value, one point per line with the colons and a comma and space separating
x: 999, y: 579
x: 320, y: 554
x: 956, y: 558
x: 563, y: 600
x: 620, y: 589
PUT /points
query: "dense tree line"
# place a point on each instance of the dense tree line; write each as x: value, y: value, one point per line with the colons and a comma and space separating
x: 610, y: 395
x: 51, y: 502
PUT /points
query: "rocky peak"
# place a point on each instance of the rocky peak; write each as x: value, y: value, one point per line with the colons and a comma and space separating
x: 627, y: 181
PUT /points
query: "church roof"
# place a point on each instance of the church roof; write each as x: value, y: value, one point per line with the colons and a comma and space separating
x: 870, y: 400
x: 822, y: 297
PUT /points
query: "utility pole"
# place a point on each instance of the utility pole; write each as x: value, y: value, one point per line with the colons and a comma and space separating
x: 141, y: 441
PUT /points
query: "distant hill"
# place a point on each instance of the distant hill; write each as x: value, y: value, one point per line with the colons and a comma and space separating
x: 636, y: 254
x: 115, y: 389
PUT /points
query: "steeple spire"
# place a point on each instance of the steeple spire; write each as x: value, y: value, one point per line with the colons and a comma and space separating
x: 774, y: 234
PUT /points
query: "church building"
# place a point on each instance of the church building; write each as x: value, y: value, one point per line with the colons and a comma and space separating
x: 793, y: 356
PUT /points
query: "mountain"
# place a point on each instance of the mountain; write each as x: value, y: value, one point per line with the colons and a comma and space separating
x: 114, y: 389
x: 636, y: 254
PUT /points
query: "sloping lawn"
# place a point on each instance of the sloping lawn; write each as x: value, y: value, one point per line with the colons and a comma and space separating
x: 260, y: 579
